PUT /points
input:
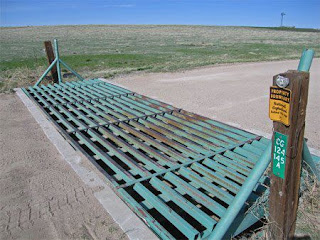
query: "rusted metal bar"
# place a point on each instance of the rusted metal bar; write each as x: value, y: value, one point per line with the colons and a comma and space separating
x: 127, y: 120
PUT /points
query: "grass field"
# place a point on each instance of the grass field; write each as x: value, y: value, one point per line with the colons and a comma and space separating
x: 108, y: 50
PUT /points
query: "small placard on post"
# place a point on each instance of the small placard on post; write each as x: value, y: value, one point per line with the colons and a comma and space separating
x: 279, y: 151
x: 279, y: 105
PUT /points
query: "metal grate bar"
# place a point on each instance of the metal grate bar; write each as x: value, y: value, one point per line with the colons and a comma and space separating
x: 135, y: 115
x: 95, y: 135
x: 128, y: 120
x: 94, y: 99
x: 89, y: 83
x: 175, y: 169
x: 213, y: 124
x: 185, y: 164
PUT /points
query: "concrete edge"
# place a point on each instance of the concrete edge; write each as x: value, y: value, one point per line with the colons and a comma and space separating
x: 131, y: 224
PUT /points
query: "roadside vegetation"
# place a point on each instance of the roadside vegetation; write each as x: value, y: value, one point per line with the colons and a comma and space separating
x: 308, y: 215
x: 308, y: 219
x: 109, y: 50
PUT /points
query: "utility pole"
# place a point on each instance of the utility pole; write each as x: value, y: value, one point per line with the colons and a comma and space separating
x: 282, y: 14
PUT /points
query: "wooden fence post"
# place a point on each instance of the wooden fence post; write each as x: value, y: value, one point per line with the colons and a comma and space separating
x: 288, y: 110
x: 50, y: 57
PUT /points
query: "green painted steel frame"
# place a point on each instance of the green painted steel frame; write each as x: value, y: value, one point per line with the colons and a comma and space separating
x: 178, y: 171
x: 304, y: 66
x: 306, y: 60
x: 57, y: 61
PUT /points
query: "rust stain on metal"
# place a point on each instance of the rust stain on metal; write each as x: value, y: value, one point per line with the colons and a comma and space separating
x: 160, y: 103
x: 217, y: 193
x: 217, y: 179
x: 196, y: 119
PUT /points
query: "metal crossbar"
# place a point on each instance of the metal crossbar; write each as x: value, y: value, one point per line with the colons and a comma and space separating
x: 178, y: 171
x: 93, y: 99
x: 86, y: 85
x: 145, y: 116
x: 188, y: 163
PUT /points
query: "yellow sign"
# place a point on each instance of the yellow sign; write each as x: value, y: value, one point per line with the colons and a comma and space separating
x: 279, y: 105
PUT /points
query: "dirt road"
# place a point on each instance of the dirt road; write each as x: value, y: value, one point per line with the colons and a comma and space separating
x: 236, y: 94
x: 41, y: 197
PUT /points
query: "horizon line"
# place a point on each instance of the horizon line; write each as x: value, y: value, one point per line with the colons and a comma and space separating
x: 151, y: 24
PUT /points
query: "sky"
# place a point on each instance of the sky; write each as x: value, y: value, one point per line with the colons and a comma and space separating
x: 299, y: 13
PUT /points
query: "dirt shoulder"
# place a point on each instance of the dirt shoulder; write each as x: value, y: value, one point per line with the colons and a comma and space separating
x: 41, y: 196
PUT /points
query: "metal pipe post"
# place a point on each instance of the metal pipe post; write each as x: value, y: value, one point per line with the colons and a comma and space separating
x: 71, y: 70
x: 304, y: 66
x: 306, y: 60
x: 306, y: 155
x: 46, y: 72
x: 239, y: 200
x: 58, y: 60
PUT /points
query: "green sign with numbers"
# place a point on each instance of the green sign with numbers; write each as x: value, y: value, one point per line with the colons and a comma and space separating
x: 279, y: 151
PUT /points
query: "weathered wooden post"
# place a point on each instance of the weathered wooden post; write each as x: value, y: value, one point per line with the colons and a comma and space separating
x: 287, y: 108
x: 51, y: 57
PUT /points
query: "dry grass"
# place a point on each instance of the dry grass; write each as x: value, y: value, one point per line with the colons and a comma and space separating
x: 21, y: 77
x: 308, y: 216
x: 308, y: 220
x: 17, y: 43
x: 119, y: 49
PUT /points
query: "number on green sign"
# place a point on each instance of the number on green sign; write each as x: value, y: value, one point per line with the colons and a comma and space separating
x: 279, y: 151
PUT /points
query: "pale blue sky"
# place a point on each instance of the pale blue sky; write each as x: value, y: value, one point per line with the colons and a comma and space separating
x: 299, y: 13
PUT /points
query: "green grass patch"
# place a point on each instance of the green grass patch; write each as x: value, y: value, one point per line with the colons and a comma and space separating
x: 108, y: 50
x: 92, y: 62
x: 26, y: 63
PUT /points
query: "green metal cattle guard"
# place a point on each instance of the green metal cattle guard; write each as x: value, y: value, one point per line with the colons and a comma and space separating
x: 177, y: 170
x: 182, y: 173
